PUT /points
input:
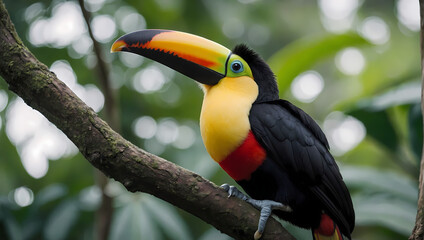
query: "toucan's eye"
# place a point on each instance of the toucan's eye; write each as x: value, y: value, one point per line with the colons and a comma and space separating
x: 237, y: 66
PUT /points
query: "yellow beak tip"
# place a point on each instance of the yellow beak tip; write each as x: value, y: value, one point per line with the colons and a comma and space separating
x: 118, y: 46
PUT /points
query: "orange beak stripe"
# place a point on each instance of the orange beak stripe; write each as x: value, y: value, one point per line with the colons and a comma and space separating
x: 205, y: 60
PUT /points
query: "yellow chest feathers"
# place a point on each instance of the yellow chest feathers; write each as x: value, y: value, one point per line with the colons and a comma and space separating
x: 224, y: 120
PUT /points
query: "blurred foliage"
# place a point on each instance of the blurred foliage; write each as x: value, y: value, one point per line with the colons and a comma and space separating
x: 381, y: 171
x: 301, y: 55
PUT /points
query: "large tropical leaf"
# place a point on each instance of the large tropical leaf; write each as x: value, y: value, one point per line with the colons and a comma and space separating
x: 371, y: 181
x: 10, y: 228
x: 374, y: 114
x: 61, y: 220
x: 167, y: 218
x: 384, y: 210
x: 301, y: 55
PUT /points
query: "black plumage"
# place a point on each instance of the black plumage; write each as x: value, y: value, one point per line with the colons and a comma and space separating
x: 299, y: 170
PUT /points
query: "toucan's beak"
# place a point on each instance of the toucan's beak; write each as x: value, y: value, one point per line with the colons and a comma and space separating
x: 196, y: 57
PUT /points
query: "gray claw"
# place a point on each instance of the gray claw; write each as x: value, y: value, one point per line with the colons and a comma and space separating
x: 233, y: 191
x: 225, y: 186
x: 265, y: 206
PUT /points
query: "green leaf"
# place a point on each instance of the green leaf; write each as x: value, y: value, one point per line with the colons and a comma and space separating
x: 167, y: 217
x: 407, y: 93
x: 394, y: 65
x: 384, y: 210
x: 301, y: 55
x: 120, y: 228
x: 378, y: 126
x: 13, y: 229
x: 143, y: 224
x: 132, y: 221
x: 61, y: 220
x: 376, y: 181
x: 90, y: 198
x: 297, y: 232
x: 33, y: 224
x: 373, y: 112
x: 49, y: 194
x: 415, y: 122
x: 387, y: 67
x: 11, y: 226
x: 214, y: 234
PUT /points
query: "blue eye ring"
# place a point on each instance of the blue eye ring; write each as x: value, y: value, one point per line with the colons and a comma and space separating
x: 237, y: 66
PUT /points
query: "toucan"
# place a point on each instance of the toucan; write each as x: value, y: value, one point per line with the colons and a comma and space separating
x: 275, y: 151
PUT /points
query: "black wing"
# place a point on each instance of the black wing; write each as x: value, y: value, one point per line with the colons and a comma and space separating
x: 298, y: 145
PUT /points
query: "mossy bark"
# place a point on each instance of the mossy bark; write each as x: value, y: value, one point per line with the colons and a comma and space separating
x: 136, y: 169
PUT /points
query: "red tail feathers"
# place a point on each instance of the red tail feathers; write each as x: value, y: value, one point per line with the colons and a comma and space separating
x: 327, y: 230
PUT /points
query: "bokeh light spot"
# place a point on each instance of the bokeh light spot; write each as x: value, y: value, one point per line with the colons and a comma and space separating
x: 65, y: 26
x: 35, y: 34
x: 33, y: 11
x: 21, y: 121
x: 90, y: 198
x: 258, y: 35
x: 343, y: 132
x: 131, y: 60
x: 233, y: 28
x: 350, y: 61
x: 152, y: 145
x: 89, y: 93
x: 3, y: 100
x: 65, y: 73
x: 92, y: 96
x: 408, y: 13
x: 375, y: 30
x: 186, y: 137
x: 23, y: 196
x: 36, y: 139
x: 338, y: 9
x: 94, y: 5
x: 104, y: 28
x: 149, y: 80
x: 127, y: 21
x: 34, y: 160
x: 307, y: 86
x: 83, y: 45
x: 145, y: 127
x: 167, y: 131
x: 171, y: 95
x: 338, y: 15
x: 133, y: 22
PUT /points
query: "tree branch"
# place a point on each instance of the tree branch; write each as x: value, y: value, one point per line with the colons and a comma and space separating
x: 418, y: 231
x: 136, y: 169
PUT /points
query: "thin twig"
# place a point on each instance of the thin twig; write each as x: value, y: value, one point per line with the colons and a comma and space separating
x: 111, y: 108
x: 105, y: 211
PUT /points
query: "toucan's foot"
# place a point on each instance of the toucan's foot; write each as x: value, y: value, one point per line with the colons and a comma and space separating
x: 265, y: 206
x: 234, y: 192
